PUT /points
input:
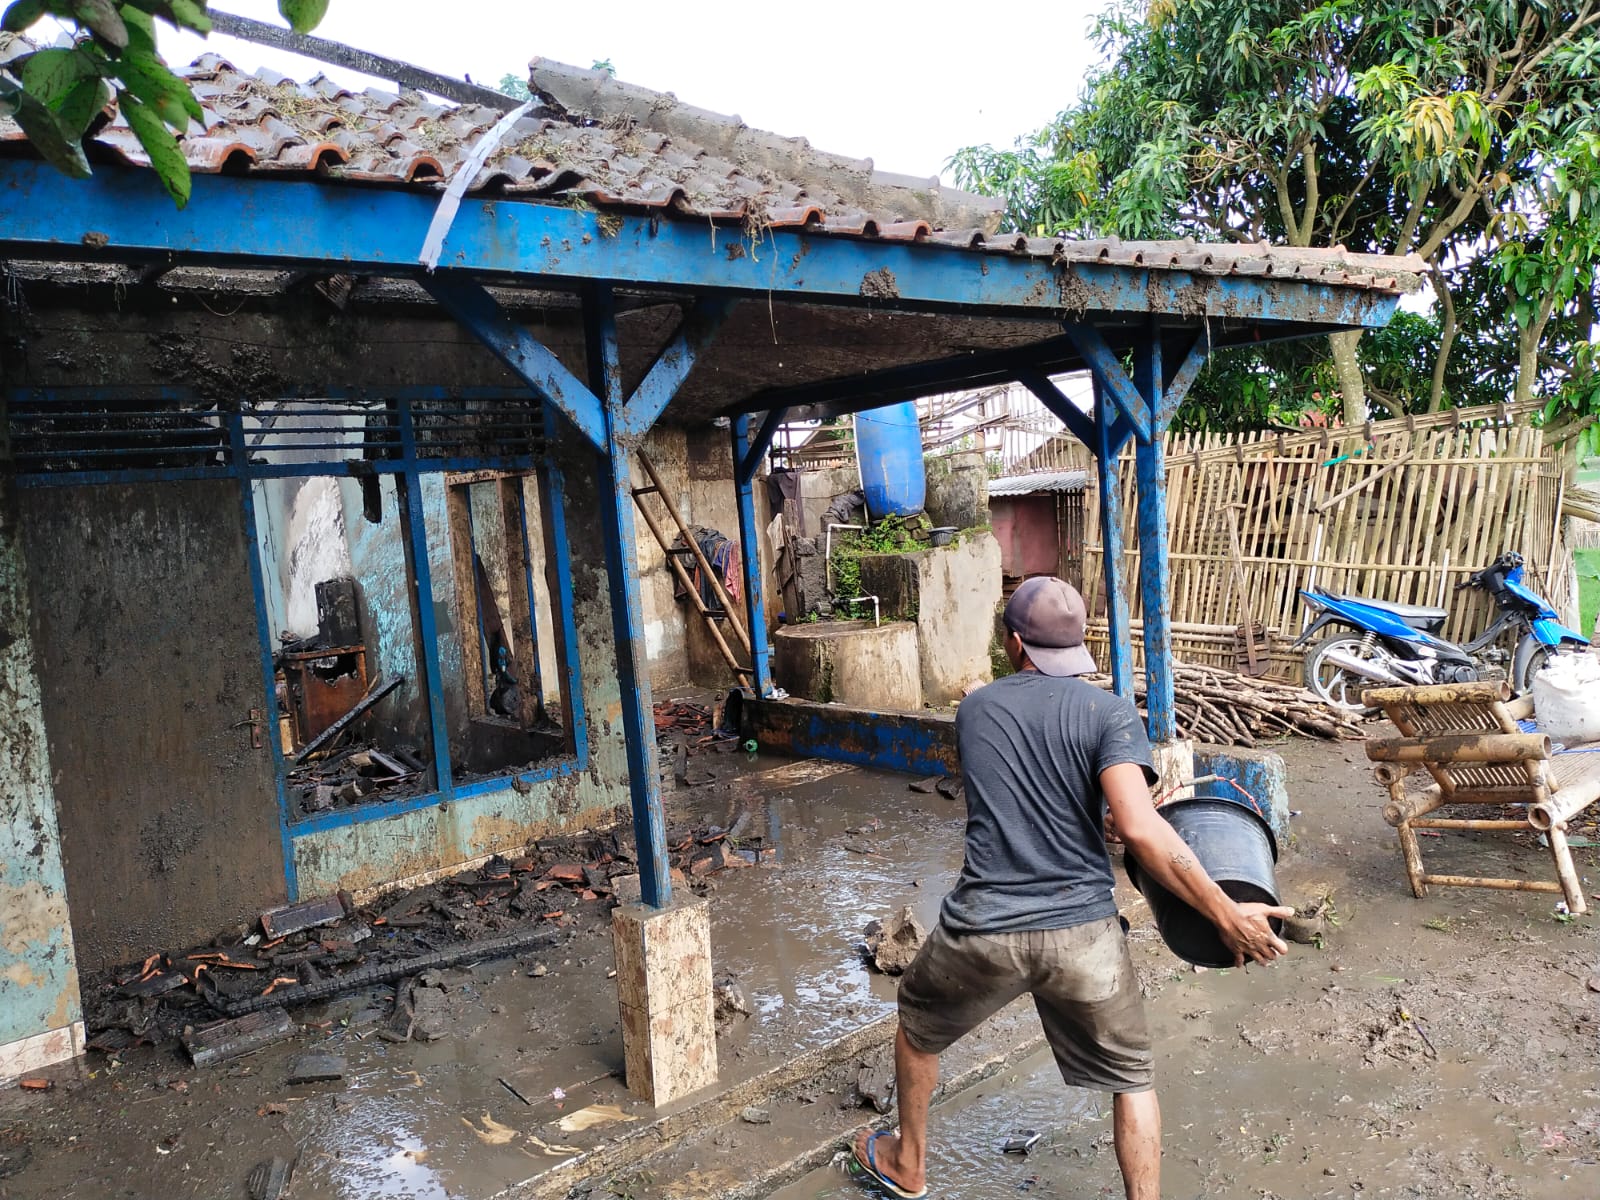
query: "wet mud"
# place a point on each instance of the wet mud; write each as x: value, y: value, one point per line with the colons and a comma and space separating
x: 1438, y: 1048
x: 444, y: 1118
x: 1447, y: 1047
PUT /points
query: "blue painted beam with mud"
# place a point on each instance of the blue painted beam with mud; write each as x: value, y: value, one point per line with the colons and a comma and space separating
x: 916, y: 743
x: 122, y: 214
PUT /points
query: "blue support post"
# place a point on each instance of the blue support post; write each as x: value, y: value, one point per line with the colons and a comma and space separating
x: 627, y: 614
x: 1110, y: 436
x: 422, y: 583
x: 750, y: 555
x: 1150, y: 466
x: 672, y: 366
x: 269, y: 670
x: 476, y: 309
x: 1112, y: 379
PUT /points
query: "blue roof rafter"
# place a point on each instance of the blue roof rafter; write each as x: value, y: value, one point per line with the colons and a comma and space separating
x: 122, y: 214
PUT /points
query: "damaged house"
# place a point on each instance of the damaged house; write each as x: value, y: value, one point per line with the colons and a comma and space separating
x: 320, y: 570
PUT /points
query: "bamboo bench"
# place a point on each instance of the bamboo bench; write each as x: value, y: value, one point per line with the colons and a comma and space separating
x: 1466, y: 737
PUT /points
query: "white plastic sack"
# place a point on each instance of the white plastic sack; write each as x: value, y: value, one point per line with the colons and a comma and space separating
x: 1566, y: 699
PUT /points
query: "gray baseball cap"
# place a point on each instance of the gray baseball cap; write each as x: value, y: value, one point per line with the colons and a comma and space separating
x: 1048, y: 615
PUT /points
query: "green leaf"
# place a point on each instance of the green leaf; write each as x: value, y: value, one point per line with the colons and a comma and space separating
x: 191, y: 14
x: 148, y: 78
x: 303, y: 15
x: 102, y: 17
x: 50, y: 74
x: 181, y: 14
x: 141, y: 29
x: 22, y: 14
x: 44, y: 129
x: 160, y: 145
x: 81, y: 104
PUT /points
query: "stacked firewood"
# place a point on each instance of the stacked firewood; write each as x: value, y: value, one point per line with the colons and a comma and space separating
x: 1224, y: 708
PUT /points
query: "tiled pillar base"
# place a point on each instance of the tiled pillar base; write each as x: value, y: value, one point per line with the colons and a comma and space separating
x: 42, y: 1050
x: 1174, y: 762
x: 669, y: 1036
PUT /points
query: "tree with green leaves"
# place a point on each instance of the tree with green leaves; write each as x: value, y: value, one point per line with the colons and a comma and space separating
x: 1434, y: 127
x: 59, y: 95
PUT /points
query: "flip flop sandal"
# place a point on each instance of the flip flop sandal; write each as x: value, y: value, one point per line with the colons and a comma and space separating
x: 878, y: 1177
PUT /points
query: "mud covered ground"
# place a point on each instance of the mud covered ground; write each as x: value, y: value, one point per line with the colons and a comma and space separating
x: 1448, y: 1047
x: 1445, y: 1047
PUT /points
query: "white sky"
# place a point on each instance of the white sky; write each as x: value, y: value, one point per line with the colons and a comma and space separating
x: 903, y: 87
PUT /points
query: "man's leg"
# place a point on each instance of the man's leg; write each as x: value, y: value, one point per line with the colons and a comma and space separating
x: 904, y: 1158
x: 953, y: 985
x: 1136, y: 1125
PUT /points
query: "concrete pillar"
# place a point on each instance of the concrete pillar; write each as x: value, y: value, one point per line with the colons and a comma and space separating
x: 1174, y: 763
x: 41, y: 1020
x: 669, y: 1035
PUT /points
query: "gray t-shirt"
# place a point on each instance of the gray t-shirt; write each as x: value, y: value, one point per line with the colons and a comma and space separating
x: 1032, y: 748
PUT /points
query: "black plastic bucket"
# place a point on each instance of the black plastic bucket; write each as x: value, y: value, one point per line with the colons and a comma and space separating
x: 1237, y: 849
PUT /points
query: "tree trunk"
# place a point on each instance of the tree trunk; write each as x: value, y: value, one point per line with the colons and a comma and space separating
x: 1352, y: 386
x: 1447, y: 336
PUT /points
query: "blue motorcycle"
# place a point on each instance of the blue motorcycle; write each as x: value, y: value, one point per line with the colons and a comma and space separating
x: 1379, y: 644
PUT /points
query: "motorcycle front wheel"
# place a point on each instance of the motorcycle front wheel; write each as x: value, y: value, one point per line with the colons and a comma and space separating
x: 1335, y: 683
x: 1532, y: 656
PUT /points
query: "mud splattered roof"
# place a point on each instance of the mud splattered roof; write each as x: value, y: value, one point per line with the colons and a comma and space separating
x: 621, y: 147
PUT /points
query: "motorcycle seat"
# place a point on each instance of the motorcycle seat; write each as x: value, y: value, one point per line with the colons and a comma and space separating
x: 1418, y: 616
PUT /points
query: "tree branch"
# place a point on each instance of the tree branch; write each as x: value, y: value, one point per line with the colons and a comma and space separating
x: 1447, y: 335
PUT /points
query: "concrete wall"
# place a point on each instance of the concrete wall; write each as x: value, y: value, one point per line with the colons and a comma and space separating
x: 697, y: 468
x: 951, y: 592
x: 150, y: 661
x: 40, y: 1018
x: 850, y: 662
x: 583, y: 791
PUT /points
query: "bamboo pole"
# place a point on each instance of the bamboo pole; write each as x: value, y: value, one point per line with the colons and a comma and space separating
x: 1499, y: 885
x: 1461, y: 748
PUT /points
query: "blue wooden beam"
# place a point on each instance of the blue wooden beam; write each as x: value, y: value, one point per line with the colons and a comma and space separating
x: 672, y: 367
x: 1177, y: 386
x: 422, y: 596
x: 1150, y: 469
x: 750, y: 559
x: 1113, y: 380
x: 627, y: 612
x: 748, y: 458
x: 1079, y: 424
x: 476, y: 309
x: 840, y: 397
x: 122, y: 214
x: 1111, y: 434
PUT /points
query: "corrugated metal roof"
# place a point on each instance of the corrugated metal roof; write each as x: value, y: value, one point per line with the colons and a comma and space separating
x: 622, y: 147
x: 1039, y: 481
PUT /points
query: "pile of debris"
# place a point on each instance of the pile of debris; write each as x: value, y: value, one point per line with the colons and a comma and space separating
x: 697, y: 853
x: 352, y: 775
x: 319, y: 949
x: 1224, y: 708
x: 696, y: 726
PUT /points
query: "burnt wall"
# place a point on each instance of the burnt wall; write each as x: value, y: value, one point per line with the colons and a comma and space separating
x: 149, y: 661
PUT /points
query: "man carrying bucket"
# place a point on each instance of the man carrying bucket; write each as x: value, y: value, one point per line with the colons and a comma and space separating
x: 1044, y: 757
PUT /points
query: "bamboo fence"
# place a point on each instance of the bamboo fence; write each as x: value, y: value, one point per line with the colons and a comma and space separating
x: 1397, y: 510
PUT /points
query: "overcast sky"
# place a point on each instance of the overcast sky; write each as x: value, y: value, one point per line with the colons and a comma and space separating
x: 904, y: 87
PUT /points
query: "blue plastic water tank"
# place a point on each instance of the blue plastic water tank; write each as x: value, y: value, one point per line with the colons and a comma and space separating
x: 889, y: 448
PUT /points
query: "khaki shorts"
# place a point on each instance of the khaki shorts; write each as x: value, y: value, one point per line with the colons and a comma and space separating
x: 1082, y: 982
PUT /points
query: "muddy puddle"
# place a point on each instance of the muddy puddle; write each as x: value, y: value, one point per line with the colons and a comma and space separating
x: 425, y: 1121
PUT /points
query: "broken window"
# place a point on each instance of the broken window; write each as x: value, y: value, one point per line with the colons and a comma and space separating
x: 353, y: 721
x: 512, y: 690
